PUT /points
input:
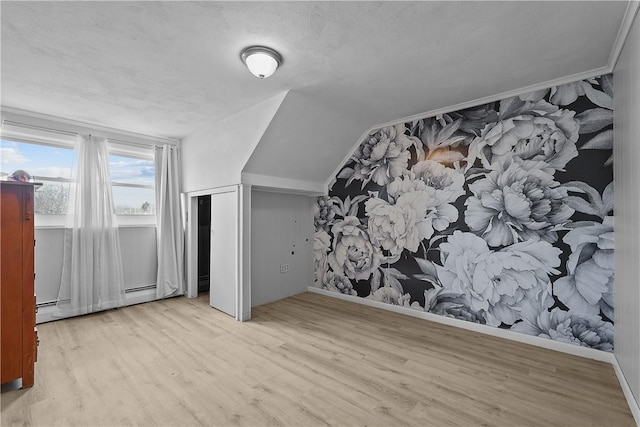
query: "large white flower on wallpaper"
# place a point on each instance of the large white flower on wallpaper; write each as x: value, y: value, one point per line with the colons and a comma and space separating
x: 390, y: 295
x: 517, y: 201
x: 417, y: 205
x: 568, y: 93
x: 565, y: 326
x: 321, y: 248
x: 381, y: 157
x: 537, y: 131
x: 400, y: 225
x: 447, y: 182
x: 336, y: 283
x: 444, y: 302
x: 496, y: 282
x: 323, y: 213
x: 448, y: 185
x: 464, y: 211
x: 353, y: 255
x: 589, y: 286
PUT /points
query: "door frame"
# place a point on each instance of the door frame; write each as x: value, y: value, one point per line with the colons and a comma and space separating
x: 243, y: 255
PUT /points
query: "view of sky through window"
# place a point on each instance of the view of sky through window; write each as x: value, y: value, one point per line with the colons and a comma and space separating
x: 132, y: 178
x: 38, y: 160
x: 131, y: 170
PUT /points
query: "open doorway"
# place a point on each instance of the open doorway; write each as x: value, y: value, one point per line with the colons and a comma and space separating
x: 204, y: 242
x: 229, y: 249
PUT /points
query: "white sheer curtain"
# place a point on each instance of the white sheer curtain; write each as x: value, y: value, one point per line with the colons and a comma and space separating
x: 92, y: 278
x: 170, y: 279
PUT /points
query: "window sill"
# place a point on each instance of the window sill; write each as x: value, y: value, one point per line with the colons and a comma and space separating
x: 124, y: 221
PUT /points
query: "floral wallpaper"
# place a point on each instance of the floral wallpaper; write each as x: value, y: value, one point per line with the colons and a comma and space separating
x: 500, y: 214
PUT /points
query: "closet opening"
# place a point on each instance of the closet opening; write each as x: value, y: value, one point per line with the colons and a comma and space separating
x: 223, y: 219
x: 204, y: 242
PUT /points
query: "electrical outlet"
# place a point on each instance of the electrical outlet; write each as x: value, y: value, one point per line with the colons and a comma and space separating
x: 284, y: 268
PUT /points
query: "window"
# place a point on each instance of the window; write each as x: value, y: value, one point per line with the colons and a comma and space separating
x: 53, y: 166
x: 133, y: 182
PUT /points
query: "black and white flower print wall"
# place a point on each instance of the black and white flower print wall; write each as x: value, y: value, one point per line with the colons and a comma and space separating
x: 500, y: 214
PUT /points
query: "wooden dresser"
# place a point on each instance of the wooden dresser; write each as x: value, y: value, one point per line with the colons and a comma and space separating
x: 18, y: 301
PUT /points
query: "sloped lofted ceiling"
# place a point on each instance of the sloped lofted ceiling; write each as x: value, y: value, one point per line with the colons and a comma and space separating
x: 172, y: 68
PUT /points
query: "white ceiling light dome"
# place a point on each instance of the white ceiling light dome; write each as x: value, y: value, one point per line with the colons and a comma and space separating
x: 261, y: 61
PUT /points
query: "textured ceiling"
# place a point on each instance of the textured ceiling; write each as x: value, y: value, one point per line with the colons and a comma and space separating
x: 170, y: 68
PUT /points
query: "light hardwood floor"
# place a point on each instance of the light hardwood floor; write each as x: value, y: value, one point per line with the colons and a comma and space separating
x: 308, y: 360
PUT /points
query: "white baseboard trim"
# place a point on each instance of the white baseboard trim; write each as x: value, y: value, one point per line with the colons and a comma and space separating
x: 575, y: 350
x: 46, y: 314
x: 628, y: 394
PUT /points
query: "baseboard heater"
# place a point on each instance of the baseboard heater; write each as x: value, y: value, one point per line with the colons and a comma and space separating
x: 126, y: 291
x: 46, y: 304
x: 140, y: 288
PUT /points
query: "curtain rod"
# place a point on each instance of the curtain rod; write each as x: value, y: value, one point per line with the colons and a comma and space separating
x: 70, y: 133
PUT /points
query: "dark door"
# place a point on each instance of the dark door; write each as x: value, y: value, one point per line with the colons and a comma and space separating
x: 204, y: 242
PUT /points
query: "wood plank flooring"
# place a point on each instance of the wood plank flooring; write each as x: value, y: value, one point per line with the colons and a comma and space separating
x: 308, y: 360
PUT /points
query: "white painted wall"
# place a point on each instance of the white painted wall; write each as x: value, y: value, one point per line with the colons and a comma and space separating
x: 138, y: 256
x: 627, y: 209
x: 291, y: 142
x: 280, y: 224
x: 214, y: 156
x: 306, y: 140
x: 48, y: 263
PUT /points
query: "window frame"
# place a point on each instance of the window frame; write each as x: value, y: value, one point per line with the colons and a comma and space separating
x: 67, y: 140
x: 140, y: 153
x: 57, y: 141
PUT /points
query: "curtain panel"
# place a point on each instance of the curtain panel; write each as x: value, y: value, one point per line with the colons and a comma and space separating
x: 170, y: 231
x: 92, y: 278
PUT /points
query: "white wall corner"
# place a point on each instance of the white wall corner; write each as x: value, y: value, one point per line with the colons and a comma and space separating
x: 627, y: 231
x: 244, y: 253
x: 215, y: 155
x: 271, y: 108
x: 623, y: 33
x: 626, y: 389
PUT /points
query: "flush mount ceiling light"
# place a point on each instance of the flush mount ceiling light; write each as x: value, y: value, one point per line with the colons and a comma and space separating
x: 261, y: 61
